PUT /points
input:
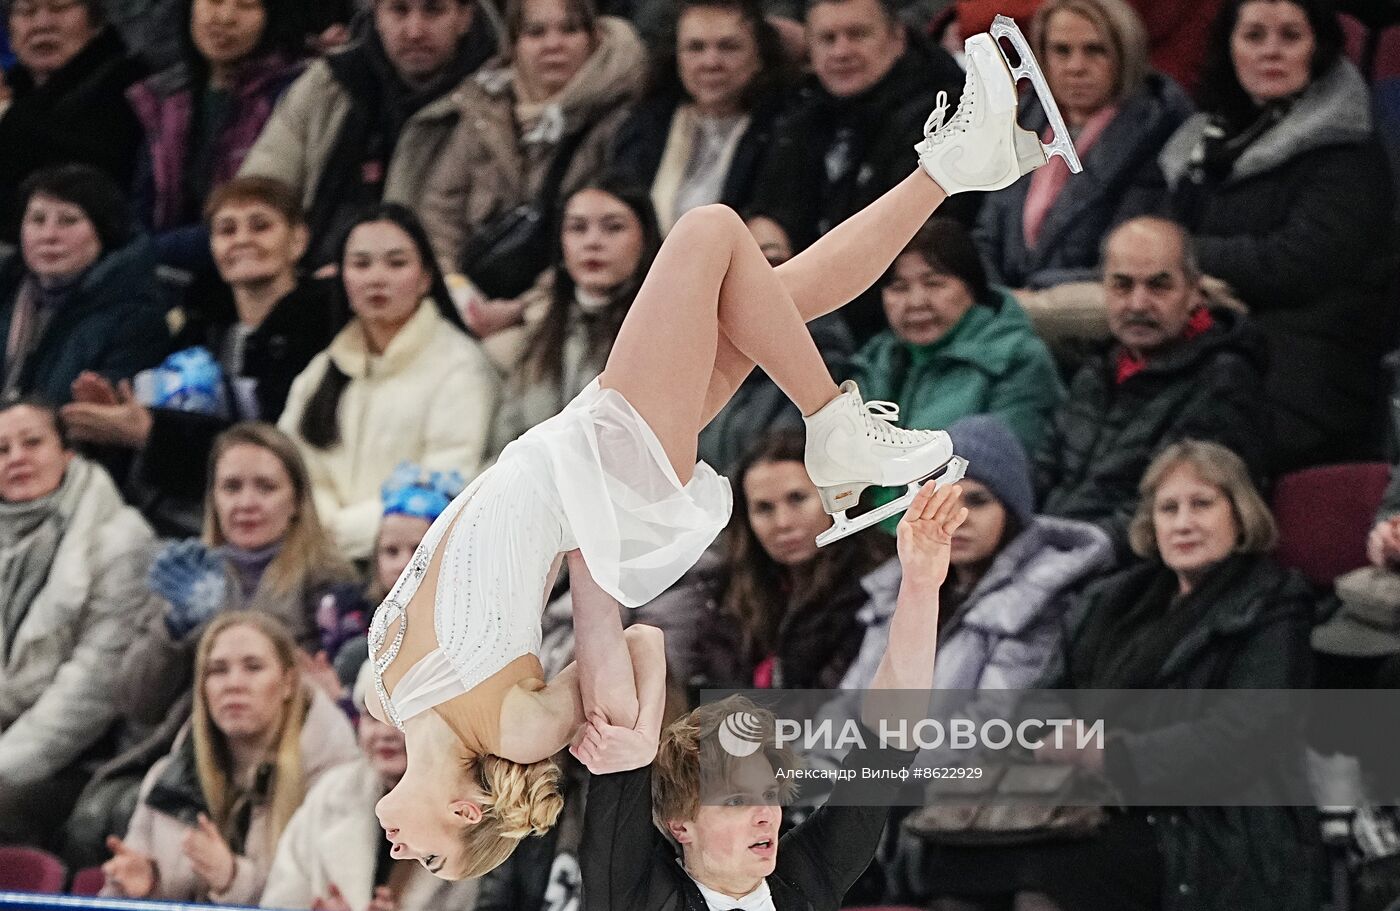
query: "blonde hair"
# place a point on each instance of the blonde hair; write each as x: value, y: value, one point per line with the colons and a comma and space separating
x: 521, y: 799
x: 1215, y: 465
x: 690, y: 761
x: 307, y: 543
x: 213, y: 761
x: 1121, y: 28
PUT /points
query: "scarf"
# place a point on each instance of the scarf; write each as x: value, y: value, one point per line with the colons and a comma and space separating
x: 249, y: 565
x: 1049, y: 181
x: 1211, y: 161
x: 1127, y: 649
x: 30, y: 535
x: 382, y: 104
x: 694, y: 163
x: 34, y: 309
x: 1129, y: 365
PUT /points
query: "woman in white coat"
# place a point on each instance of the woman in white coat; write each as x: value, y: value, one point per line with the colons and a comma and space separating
x: 211, y: 813
x: 73, y: 561
x: 402, y: 382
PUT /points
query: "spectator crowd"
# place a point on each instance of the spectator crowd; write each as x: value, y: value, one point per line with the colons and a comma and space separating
x: 279, y: 278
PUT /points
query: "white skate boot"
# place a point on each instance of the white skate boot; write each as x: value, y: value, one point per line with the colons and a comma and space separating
x: 852, y: 445
x: 983, y: 147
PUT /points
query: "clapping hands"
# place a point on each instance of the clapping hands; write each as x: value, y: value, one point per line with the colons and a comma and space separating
x: 213, y: 860
x: 106, y: 414
x: 131, y: 871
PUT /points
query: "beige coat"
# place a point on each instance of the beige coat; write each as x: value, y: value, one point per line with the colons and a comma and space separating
x: 297, y: 141
x: 428, y: 398
x: 484, y: 169
x: 334, y: 840
x: 55, y: 688
x: 327, y: 741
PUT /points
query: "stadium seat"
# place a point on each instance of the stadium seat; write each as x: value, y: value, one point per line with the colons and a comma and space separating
x: 88, y: 881
x: 1357, y: 36
x: 1324, y: 515
x: 31, y: 870
x: 1387, y: 58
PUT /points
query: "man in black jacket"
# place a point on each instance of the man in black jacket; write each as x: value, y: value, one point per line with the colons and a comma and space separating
x: 1176, y: 369
x: 846, y: 140
x: 720, y: 848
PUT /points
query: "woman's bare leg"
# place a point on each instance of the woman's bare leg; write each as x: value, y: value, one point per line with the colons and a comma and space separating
x: 711, y: 307
x: 709, y: 277
x: 837, y: 269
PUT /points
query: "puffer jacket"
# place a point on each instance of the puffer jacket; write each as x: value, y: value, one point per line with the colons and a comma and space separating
x: 171, y: 801
x: 990, y: 362
x: 1301, y: 229
x: 56, y: 697
x: 113, y: 323
x: 1106, y: 433
x: 1007, y: 632
x: 483, y: 169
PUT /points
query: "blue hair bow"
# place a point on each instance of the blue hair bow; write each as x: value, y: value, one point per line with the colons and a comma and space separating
x: 412, y: 491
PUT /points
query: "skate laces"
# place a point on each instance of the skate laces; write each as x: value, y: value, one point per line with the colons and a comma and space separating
x: 879, y: 419
x: 939, y: 125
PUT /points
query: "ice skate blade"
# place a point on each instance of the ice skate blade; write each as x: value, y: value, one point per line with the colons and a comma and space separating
x: 951, y: 473
x: 1004, y: 27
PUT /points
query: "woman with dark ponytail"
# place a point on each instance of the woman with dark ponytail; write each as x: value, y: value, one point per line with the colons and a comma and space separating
x: 402, y: 381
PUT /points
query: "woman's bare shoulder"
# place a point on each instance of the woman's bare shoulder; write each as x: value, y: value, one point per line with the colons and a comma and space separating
x: 539, y: 719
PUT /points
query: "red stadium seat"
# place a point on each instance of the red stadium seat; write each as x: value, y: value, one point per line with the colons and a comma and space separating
x: 1387, y: 59
x: 88, y: 881
x: 31, y: 870
x: 1324, y: 515
x: 1356, y: 37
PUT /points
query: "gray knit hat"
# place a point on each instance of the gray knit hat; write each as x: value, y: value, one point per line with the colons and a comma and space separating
x: 997, y: 460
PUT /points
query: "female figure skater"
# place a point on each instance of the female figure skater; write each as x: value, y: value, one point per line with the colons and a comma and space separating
x: 612, y: 482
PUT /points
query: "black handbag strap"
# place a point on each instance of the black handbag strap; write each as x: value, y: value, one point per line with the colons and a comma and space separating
x: 548, y: 198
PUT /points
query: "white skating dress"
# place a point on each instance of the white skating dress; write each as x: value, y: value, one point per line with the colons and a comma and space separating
x: 594, y: 477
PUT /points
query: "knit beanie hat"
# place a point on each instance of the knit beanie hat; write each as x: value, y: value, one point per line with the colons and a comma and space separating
x: 997, y: 460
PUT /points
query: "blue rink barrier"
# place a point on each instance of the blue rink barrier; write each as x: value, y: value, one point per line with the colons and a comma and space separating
x: 30, y: 900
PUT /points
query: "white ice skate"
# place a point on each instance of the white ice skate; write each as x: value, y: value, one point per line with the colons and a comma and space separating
x: 853, y: 445
x: 983, y: 147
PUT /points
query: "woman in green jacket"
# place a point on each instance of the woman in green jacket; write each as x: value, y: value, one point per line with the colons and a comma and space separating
x: 956, y: 346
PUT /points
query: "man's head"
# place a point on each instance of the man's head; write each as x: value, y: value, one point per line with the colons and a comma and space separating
x: 854, y: 43
x: 421, y: 37
x: 47, y: 34
x: 720, y: 809
x: 1152, y: 283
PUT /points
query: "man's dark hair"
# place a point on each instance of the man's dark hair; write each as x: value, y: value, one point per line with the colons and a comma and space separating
x: 97, y: 12
x: 886, y: 6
